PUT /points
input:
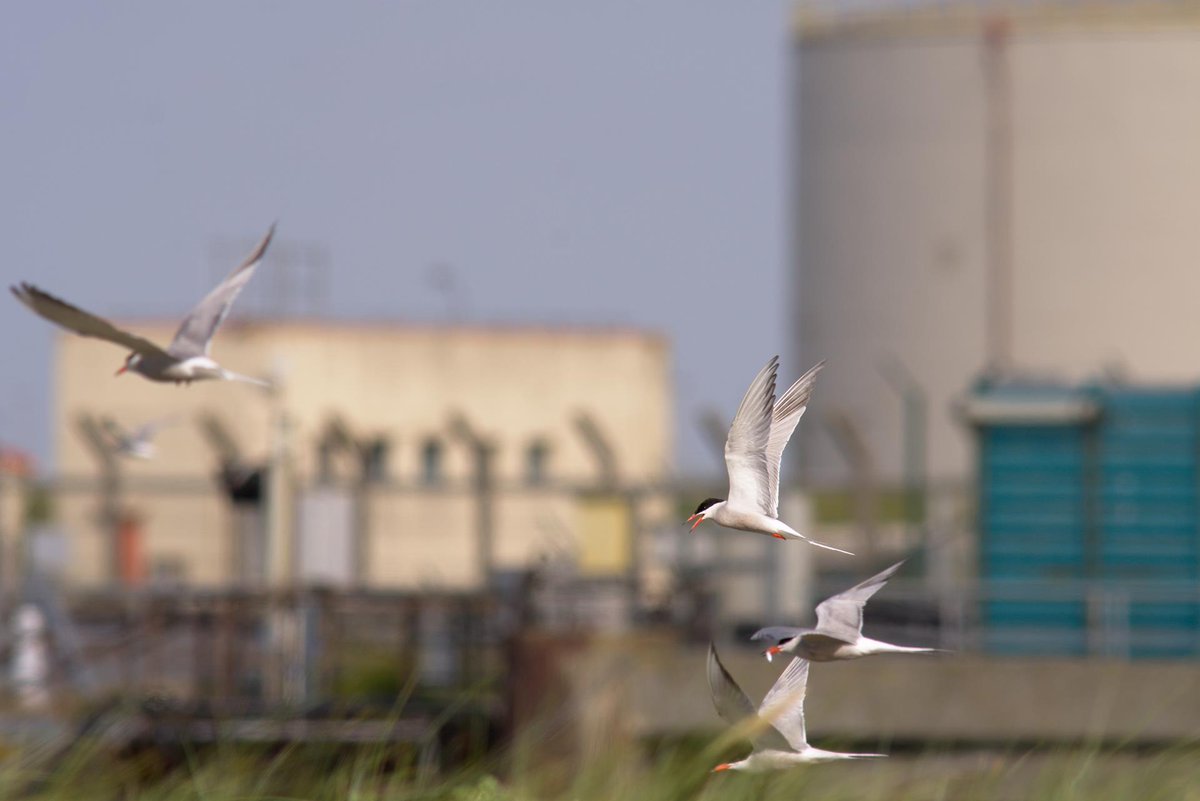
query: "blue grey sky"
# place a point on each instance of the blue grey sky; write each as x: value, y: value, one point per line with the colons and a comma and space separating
x: 604, y: 162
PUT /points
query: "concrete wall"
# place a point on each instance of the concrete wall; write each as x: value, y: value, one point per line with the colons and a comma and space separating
x: 892, y: 257
x: 516, y: 386
x: 414, y: 539
x: 660, y: 687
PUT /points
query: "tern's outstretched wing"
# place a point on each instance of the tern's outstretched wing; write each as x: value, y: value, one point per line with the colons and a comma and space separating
x: 783, y: 707
x: 746, y: 445
x: 841, y: 615
x: 196, y: 332
x: 732, y: 704
x: 81, y: 322
x: 113, y: 431
x: 787, y: 413
x: 146, y: 431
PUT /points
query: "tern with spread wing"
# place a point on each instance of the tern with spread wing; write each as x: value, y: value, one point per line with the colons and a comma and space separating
x: 838, y: 634
x: 137, y: 443
x: 753, y: 451
x: 186, y: 359
x: 781, y: 741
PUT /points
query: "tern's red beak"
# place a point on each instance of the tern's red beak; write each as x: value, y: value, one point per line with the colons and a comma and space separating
x: 699, y: 518
x: 122, y: 369
x: 772, y: 651
x: 722, y: 766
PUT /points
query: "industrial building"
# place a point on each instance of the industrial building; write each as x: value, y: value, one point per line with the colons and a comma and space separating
x: 995, y: 249
x: 987, y: 187
x: 387, y: 456
x: 1088, y: 502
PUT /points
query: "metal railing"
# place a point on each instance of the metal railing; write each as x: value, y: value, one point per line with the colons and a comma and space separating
x: 1072, y: 618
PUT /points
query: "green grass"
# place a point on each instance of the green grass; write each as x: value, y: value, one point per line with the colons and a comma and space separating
x: 531, y: 773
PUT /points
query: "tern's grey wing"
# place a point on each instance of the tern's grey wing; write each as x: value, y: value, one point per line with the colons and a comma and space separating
x: 113, y: 431
x: 783, y: 707
x: 777, y: 634
x: 197, y: 329
x: 81, y: 322
x: 146, y: 431
x: 787, y: 413
x: 841, y: 615
x: 732, y: 704
x: 746, y: 445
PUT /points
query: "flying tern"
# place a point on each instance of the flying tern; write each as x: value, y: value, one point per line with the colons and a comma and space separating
x: 838, y: 634
x: 782, y: 742
x: 753, y: 451
x: 136, y: 443
x: 186, y: 359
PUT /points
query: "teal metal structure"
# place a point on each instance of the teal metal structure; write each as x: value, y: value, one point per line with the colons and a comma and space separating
x: 1089, y: 518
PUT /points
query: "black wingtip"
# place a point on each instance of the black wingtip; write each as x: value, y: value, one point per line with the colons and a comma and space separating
x: 259, y: 251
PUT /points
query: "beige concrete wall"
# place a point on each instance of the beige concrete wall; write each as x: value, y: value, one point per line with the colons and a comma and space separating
x: 536, y: 526
x: 515, y: 385
x: 190, y: 536
x: 422, y: 541
x: 416, y: 539
x: 78, y: 515
x: 187, y: 533
x: 429, y: 540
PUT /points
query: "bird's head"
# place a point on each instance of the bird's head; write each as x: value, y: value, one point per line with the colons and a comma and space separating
x: 707, y: 507
x: 786, y: 645
x: 131, y: 363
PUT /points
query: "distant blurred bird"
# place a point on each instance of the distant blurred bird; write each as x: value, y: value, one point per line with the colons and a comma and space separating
x: 782, y: 742
x: 137, y: 443
x: 838, y: 634
x: 186, y: 359
x: 753, y: 451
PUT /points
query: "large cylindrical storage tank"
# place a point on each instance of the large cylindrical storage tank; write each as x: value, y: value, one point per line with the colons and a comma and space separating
x: 1004, y: 185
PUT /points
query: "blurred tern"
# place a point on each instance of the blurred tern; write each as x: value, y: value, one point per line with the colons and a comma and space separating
x: 137, y: 443
x: 186, y: 359
x: 753, y: 450
x: 783, y: 743
x: 838, y: 634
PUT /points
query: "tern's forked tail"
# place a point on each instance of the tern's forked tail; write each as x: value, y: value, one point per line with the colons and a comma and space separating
x: 229, y: 375
x: 823, y: 545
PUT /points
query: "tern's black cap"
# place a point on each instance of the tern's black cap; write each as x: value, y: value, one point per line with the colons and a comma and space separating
x: 707, y: 502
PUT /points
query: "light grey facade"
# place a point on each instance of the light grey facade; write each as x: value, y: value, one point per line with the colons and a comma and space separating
x: 1012, y: 185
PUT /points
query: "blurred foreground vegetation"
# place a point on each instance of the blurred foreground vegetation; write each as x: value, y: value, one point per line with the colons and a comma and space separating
x: 662, y: 773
